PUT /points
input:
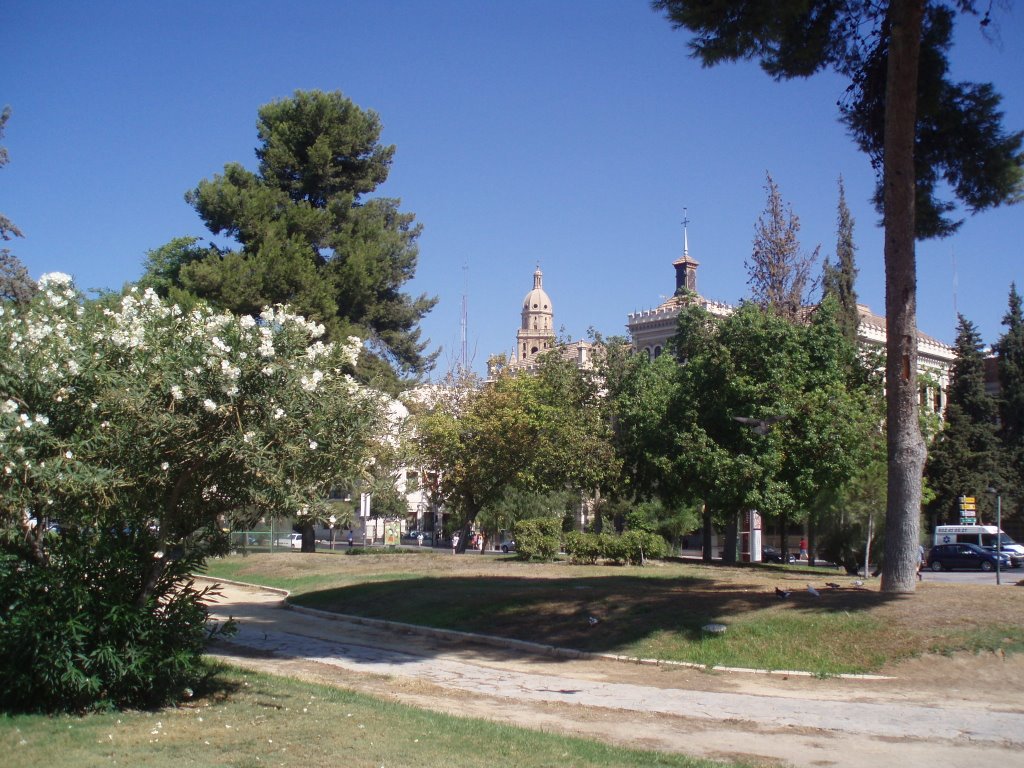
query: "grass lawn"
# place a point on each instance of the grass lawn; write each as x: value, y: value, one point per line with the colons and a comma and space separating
x: 260, y: 720
x: 656, y: 611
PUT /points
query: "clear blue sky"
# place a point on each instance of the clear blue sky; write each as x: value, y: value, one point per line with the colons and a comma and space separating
x: 566, y: 133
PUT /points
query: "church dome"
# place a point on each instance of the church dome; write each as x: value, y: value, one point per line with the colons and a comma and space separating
x: 537, y: 300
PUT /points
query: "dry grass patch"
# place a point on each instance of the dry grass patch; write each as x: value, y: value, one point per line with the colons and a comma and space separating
x: 656, y: 611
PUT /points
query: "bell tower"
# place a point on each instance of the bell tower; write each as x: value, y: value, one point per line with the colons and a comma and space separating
x: 536, y: 331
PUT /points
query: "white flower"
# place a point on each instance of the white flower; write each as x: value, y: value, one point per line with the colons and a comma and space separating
x: 278, y: 413
x: 68, y: 455
x: 209, y: 405
x: 176, y: 392
x: 55, y: 279
x: 9, y: 406
x: 313, y: 445
x: 310, y: 383
x: 248, y: 436
x: 40, y: 419
x: 165, y: 466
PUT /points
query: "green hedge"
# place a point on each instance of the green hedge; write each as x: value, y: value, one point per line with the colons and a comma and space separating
x: 538, y: 538
x: 583, y: 548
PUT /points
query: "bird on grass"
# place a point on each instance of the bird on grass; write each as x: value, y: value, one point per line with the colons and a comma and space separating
x: 858, y: 583
x: 782, y: 594
x: 813, y: 591
x: 833, y: 585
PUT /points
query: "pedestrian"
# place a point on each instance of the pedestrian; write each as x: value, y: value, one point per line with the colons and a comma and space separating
x: 350, y: 538
x: 803, y: 549
x: 455, y: 542
x: 920, y: 561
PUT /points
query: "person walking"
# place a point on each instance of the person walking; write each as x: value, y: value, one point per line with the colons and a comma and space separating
x: 803, y: 549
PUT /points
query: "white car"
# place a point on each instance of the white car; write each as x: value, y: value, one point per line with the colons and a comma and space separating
x: 293, y: 540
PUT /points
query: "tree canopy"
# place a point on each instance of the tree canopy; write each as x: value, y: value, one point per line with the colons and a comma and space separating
x: 309, y: 236
x: 536, y: 432
x: 756, y: 413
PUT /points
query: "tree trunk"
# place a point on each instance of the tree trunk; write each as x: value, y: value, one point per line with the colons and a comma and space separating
x: 706, y: 553
x: 812, y: 538
x: 784, y: 543
x: 731, y: 530
x: 906, y: 450
x: 308, y: 538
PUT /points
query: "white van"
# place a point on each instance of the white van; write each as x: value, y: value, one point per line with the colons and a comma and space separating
x: 982, y: 535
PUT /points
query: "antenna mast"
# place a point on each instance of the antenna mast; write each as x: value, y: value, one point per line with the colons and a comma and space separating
x: 956, y: 314
x: 465, y: 316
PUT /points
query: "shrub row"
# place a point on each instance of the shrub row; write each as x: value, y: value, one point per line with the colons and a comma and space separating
x: 539, y: 539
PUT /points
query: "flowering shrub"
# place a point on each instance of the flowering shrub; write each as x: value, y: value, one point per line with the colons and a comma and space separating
x: 139, y: 432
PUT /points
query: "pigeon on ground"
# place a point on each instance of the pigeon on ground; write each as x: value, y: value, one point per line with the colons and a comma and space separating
x: 813, y: 591
x: 833, y: 585
x: 781, y: 593
x: 858, y: 583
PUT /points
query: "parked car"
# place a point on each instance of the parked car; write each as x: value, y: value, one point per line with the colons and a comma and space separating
x: 508, y: 546
x: 1016, y: 560
x: 772, y: 555
x: 945, y: 557
x: 293, y: 540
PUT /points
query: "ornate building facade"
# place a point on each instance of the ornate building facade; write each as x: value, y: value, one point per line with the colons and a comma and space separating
x: 650, y: 330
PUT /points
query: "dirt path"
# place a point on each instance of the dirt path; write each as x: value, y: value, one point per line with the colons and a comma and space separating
x: 935, y: 710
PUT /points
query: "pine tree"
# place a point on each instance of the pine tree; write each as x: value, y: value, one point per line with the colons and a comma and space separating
x: 779, y: 271
x: 966, y: 457
x: 838, y: 280
x: 310, y: 236
x: 1010, y: 356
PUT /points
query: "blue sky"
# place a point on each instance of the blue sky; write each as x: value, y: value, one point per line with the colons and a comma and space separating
x: 566, y: 133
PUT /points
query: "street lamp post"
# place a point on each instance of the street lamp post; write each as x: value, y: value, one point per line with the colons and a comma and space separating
x: 999, y: 532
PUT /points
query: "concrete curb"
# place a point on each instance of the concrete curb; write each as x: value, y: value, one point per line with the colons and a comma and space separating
x: 525, y: 645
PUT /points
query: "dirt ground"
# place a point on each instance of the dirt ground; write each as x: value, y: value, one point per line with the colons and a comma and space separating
x: 954, y: 688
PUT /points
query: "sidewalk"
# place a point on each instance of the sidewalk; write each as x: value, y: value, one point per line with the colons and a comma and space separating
x: 806, y: 722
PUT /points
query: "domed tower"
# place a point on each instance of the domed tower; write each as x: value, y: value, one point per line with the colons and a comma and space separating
x: 536, y: 333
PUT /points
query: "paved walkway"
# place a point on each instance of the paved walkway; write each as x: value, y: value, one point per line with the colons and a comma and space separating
x: 783, y: 720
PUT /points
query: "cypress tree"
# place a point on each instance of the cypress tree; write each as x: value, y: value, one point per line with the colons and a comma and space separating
x: 838, y: 279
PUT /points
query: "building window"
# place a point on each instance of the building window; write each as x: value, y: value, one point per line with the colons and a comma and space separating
x: 657, y: 352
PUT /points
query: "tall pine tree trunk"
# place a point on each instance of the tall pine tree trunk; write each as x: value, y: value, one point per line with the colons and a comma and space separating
x: 906, y: 450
